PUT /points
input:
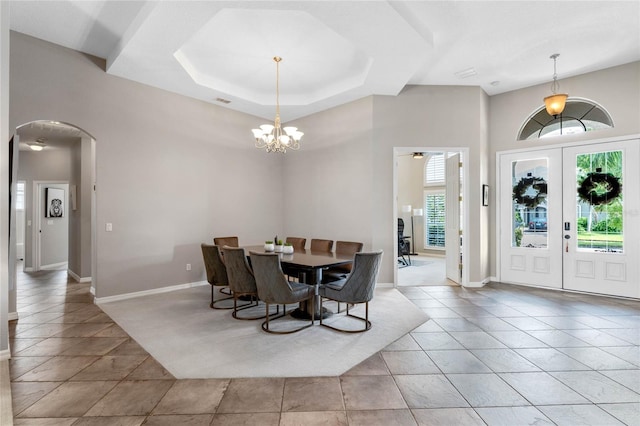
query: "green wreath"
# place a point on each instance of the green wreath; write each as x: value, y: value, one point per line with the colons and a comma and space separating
x: 538, y: 184
x: 599, y: 188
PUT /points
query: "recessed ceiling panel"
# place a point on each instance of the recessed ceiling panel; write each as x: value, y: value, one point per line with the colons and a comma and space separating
x: 234, y: 51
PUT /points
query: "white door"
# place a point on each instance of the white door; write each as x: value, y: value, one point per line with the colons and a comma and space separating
x: 531, y: 218
x: 452, y: 218
x: 570, y: 218
x: 601, y: 223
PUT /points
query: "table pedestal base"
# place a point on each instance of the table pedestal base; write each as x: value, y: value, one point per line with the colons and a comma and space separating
x: 303, y: 314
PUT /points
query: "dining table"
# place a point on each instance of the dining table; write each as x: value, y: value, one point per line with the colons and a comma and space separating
x: 311, y: 264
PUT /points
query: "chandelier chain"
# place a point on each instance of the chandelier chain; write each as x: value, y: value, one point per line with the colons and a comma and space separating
x: 274, y: 138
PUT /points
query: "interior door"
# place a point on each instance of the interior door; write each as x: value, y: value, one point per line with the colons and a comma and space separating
x: 452, y: 218
x: 531, y: 218
x: 601, y: 227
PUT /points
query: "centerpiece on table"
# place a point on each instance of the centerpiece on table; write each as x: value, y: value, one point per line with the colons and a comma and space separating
x: 288, y: 248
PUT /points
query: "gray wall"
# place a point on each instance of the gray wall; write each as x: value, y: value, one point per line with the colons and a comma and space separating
x: 410, y: 173
x: 46, y: 165
x: 437, y: 116
x: 7, y: 289
x: 328, y: 183
x: 80, y: 218
x: 616, y: 89
x: 172, y: 172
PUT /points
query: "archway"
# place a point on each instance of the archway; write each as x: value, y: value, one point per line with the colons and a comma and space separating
x: 61, y: 152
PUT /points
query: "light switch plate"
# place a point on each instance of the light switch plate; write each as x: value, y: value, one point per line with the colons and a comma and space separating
x: 108, y: 227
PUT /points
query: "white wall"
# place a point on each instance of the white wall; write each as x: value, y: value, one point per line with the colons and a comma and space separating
x: 616, y: 89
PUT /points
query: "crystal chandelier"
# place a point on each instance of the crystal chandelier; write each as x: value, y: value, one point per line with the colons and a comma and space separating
x: 555, y: 102
x: 272, y: 136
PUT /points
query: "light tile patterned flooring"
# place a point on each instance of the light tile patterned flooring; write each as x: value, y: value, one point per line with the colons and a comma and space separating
x: 500, y: 355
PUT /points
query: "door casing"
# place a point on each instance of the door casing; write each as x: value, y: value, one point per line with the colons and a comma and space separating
x: 499, y: 158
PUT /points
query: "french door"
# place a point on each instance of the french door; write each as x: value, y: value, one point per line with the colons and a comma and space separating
x: 570, y: 218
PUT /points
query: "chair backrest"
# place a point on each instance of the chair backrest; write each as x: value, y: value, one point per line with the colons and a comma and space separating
x: 297, y: 243
x: 347, y: 248
x: 213, y: 265
x: 321, y: 245
x: 400, y: 228
x: 241, y: 279
x: 361, y: 283
x: 226, y: 241
x: 271, y: 282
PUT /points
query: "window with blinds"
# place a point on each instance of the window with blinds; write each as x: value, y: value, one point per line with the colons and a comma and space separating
x: 434, y: 170
x: 19, y: 195
x: 434, y: 219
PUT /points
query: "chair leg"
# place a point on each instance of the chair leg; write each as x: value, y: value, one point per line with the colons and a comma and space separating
x: 252, y: 303
x: 213, y: 301
x: 367, y: 323
x: 265, y: 324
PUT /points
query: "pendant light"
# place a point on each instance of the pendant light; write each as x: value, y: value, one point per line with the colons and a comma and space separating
x: 556, y: 101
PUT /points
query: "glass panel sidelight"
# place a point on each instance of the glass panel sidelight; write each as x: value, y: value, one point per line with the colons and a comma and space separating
x: 599, y: 203
x: 529, y: 213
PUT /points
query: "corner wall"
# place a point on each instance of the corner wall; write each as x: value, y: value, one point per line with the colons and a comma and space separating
x: 438, y: 116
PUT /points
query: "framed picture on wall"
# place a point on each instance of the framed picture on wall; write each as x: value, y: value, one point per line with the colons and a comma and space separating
x: 55, y: 202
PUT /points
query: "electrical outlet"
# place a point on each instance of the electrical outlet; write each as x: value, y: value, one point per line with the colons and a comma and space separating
x: 108, y: 227
x: 188, y: 266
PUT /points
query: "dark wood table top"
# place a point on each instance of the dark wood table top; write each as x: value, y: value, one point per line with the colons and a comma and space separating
x: 307, y: 258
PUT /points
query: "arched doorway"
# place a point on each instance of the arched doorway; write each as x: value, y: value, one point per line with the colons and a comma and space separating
x: 51, y: 156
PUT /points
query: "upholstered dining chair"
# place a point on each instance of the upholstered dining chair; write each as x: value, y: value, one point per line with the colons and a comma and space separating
x: 357, y: 288
x: 297, y: 243
x: 343, y: 249
x: 226, y: 241
x: 321, y: 245
x: 274, y: 288
x: 216, y: 272
x: 241, y: 281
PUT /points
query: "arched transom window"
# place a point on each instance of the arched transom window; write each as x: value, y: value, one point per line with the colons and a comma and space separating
x: 579, y: 115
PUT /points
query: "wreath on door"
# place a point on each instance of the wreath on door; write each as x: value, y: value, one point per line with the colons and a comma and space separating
x: 599, y: 188
x: 539, y: 185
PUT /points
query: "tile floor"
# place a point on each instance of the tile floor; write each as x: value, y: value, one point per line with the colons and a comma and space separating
x: 500, y: 355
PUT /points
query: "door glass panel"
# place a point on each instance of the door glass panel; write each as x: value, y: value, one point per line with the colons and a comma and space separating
x: 599, y: 203
x: 529, y: 213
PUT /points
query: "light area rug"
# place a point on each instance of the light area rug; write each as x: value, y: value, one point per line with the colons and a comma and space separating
x: 194, y: 341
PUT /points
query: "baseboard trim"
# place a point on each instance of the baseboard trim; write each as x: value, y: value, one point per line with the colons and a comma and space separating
x: 28, y: 269
x: 77, y: 278
x: 384, y: 285
x: 100, y: 300
x: 478, y: 284
x: 52, y: 266
x: 92, y: 290
x: 12, y: 316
